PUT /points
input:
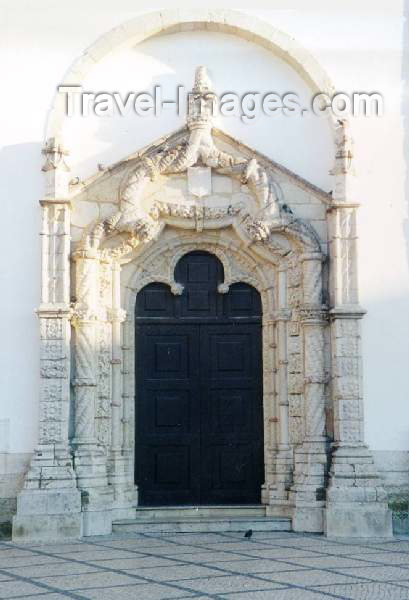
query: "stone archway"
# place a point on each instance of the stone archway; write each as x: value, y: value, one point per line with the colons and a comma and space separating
x: 170, y: 21
x: 284, y: 275
x: 81, y: 475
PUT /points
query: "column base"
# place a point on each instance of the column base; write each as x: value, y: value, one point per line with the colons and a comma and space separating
x: 123, y: 512
x: 277, y: 492
x: 47, y: 528
x: 124, y: 498
x: 307, y: 493
x: 96, y: 522
x: 356, y: 499
x: 47, y: 515
x: 309, y: 519
x: 353, y: 520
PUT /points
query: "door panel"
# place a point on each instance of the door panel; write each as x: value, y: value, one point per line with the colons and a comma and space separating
x: 231, y: 444
x: 200, y: 277
x: 167, y: 415
x: 199, y: 422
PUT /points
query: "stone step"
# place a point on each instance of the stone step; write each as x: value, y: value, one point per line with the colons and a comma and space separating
x: 180, y: 512
x: 202, y: 525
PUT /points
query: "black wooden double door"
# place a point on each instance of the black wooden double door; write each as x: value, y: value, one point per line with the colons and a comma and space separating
x: 199, y: 425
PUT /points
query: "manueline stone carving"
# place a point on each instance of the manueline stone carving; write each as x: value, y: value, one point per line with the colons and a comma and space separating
x: 199, y: 148
x: 54, y: 156
x: 344, y: 148
x: 259, y: 241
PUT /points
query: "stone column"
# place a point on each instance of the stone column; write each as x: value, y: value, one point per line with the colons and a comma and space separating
x: 356, y: 500
x: 89, y: 457
x: 128, y: 404
x: 118, y: 463
x: 269, y: 406
x: 310, y: 457
x: 279, y: 500
x: 48, y: 507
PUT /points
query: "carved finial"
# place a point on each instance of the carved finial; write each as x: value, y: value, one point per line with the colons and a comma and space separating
x: 344, y: 148
x: 202, y: 83
x: 202, y: 101
x: 342, y: 170
x: 54, y: 156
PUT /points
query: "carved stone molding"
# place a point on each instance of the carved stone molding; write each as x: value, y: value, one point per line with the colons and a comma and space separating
x: 313, y: 314
x: 198, y: 147
x: 259, y: 241
x: 54, y: 156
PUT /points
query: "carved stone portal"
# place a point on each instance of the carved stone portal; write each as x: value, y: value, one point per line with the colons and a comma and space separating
x: 198, y: 189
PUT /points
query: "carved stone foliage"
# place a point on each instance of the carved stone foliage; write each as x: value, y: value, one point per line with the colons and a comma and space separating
x: 295, y: 355
x: 103, y: 403
x: 258, y: 240
x: 53, y: 351
x: 54, y: 371
x: 159, y: 264
x: 193, y: 211
x: 53, y: 408
x: 51, y: 329
x: 198, y: 147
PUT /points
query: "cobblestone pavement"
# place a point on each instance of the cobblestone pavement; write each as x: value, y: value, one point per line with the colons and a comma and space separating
x: 276, y: 566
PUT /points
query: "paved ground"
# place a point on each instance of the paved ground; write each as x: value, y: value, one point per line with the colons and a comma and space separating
x: 276, y: 566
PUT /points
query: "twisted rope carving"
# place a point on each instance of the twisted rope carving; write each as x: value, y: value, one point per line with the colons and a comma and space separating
x: 314, y: 379
x: 84, y: 412
x: 85, y: 352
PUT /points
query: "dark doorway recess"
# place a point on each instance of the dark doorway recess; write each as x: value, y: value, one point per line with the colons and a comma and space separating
x: 199, y: 409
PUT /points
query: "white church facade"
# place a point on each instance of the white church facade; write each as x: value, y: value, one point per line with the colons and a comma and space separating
x: 200, y: 320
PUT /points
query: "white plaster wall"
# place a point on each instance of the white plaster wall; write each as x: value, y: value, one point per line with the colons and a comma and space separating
x: 169, y: 61
x: 361, y: 49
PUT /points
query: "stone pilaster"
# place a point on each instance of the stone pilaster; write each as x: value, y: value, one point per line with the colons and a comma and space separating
x: 89, y: 456
x: 269, y: 405
x: 48, y: 507
x: 117, y: 463
x: 284, y: 460
x: 128, y: 407
x: 310, y: 457
x: 356, y: 500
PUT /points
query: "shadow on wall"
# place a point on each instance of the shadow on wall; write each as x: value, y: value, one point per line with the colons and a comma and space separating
x: 125, y: 135
x: 22, y: 187
x: 108, y: 139
x: 385, y: 384
x: 405, y: 117
x: 385, y: 400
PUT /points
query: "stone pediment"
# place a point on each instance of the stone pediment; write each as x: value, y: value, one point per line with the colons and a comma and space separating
x: 99, y: 183
x: 199, y: 177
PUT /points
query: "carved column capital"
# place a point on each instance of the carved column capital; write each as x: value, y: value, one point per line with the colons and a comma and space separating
x: 86, y: 254
x: 313, y: 315
x: 82, y: 313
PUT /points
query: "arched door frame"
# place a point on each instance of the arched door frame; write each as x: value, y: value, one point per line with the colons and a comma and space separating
x: 289, y: 278
x: 277, y: 274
